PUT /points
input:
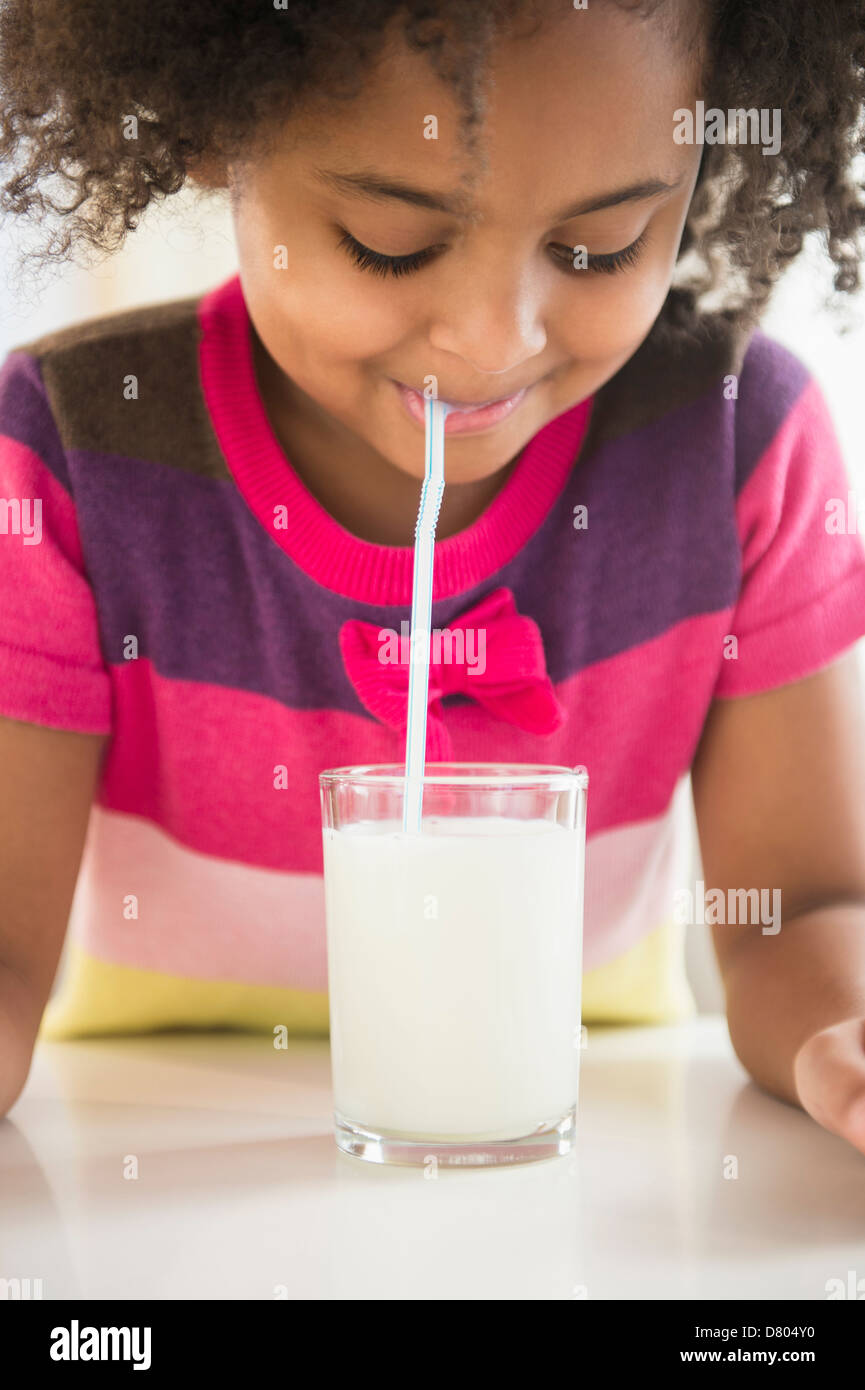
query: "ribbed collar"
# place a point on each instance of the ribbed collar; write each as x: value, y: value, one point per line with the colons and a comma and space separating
x: 325, y: 550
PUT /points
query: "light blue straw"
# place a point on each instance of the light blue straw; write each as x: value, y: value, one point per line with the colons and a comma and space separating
x: 421, y: 614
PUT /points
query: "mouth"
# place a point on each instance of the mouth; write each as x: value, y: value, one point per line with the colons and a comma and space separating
x: 462, y: 417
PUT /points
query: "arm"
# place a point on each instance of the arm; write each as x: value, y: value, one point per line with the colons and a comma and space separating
x: 779, y: 796
x: 46, y: 790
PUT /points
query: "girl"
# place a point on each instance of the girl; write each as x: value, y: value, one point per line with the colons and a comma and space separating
x: 566, y: 219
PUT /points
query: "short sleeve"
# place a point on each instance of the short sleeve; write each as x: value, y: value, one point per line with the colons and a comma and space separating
x: 801, y: 600
x: 51, y: 667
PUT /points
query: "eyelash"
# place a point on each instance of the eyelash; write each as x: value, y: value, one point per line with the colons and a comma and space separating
x: 379, y: 264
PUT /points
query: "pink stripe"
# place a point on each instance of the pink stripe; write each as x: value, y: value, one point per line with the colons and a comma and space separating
x: 202, y: 918
x: 803, y: 592
x: 39, y: 690
x: 197, y: 917
x: 632, y: 873
x: 23, y: 474
x: 199, y: 759
x: 337, y: 560
x: 45, y: 592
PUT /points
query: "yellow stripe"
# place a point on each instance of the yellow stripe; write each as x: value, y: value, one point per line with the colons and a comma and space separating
x: 646, y: 985
x: 97, y: 997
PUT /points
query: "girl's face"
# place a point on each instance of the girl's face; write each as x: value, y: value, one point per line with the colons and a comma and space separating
x: 468, y: 276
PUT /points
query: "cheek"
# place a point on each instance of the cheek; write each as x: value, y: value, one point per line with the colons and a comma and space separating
x: 615, y: 314
x: 310, y: 304
x: 352, y: 317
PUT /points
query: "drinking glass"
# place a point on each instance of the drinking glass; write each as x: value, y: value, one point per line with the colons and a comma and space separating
x: 455, y: 961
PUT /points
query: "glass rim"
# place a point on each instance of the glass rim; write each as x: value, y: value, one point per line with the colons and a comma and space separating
x: 547, y: 776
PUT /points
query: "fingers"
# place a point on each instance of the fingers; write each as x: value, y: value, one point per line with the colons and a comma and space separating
x: 829, y: 1073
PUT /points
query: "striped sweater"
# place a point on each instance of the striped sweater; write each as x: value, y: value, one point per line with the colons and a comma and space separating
x: 169, y: 581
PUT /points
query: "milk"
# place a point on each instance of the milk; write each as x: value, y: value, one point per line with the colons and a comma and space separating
x: 454, y: 962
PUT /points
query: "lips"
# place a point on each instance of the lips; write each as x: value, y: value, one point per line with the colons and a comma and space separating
x: 461, y: 418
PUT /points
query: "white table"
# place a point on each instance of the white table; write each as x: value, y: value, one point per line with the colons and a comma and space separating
x: 241, y: 1193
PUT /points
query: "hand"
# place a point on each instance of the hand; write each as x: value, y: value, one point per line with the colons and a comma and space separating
x: 829, y: 1075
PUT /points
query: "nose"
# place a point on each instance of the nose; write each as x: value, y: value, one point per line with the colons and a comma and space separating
x: 493, y: 320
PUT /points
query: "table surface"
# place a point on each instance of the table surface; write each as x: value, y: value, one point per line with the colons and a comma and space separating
x: 203, y: 1166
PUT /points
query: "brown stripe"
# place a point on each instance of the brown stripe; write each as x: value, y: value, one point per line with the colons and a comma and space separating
x: 84, y: 369
x: 667, y: 372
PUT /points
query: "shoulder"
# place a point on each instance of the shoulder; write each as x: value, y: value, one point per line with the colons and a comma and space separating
x: 121, y: 383
x: 725, y: 383
x: 771, y: 382
x: 780, y: 410
x: 80, y: 359
x: 105, y: 332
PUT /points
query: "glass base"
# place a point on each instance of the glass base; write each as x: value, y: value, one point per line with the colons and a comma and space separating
x: 547, y: 1141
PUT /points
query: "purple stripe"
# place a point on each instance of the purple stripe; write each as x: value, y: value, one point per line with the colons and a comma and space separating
x: 661, y: 544
x: 26, y: 414
x: 180, y: 561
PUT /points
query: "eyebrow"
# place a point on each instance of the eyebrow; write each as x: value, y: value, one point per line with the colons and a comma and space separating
x: 381, y: 189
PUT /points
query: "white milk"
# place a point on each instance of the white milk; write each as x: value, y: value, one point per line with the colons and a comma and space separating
x: 454, y: 962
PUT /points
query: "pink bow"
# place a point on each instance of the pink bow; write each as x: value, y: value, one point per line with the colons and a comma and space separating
x: 491, y: 653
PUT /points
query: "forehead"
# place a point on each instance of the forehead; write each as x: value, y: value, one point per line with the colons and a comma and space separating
x: 570, y: 100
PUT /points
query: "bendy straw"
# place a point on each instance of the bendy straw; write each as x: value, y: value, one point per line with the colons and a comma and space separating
x: 421, y: 614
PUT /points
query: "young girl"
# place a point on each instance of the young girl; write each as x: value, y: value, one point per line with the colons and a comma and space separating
x: 211, y: 502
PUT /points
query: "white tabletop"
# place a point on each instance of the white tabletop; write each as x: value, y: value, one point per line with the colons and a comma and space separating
x: 242, y: 1194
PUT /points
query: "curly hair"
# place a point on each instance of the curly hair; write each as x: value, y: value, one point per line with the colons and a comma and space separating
x: 209, y: 81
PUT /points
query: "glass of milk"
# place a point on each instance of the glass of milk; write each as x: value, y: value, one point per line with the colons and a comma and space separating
x: 455, y: 961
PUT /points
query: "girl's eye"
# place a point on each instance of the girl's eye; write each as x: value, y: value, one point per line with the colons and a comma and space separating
x: 607, y: 264
x: 379, y: 264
